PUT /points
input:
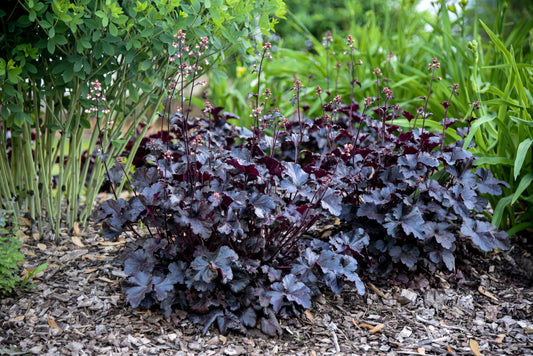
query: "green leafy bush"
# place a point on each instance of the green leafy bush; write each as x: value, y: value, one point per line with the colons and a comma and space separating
x: 10, y: 257
x: 51, y: 50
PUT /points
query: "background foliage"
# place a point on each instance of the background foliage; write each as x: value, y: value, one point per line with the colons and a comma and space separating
x: 484, y: 48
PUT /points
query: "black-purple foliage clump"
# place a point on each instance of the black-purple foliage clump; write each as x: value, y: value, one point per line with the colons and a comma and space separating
x: 227, y: 211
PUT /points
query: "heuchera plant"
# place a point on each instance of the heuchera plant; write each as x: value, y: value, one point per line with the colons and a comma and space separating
x: 225, y: 209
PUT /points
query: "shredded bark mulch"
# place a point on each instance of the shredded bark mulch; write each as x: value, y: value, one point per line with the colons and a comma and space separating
x: 77, y: 308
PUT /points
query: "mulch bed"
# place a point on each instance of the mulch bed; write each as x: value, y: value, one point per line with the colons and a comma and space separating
x: 77, y: 308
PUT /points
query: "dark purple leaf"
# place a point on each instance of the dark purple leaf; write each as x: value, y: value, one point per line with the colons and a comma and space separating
x: 408, y: 115
x: 143, y: 177
x: 270, y: 326
x: 457, y: 154
x: 448, y: 122
x: 151, y: 193
x: 380, y: 196
x: 249, y: 317
x: 139, y: 261
x: 206, y: 319
x: 418, y: 282
x: 408, y: 254
x: 229, y: 321
x: 427, y: 160
x: 223, y: 261
x: 303, y: 269
x: 371, y: 211
x: 443, y: 255
x: 440, y: 231
x: 335, y: 267
x: 273, y: 166
x: 411, y: 222
x: 135, y: 209
x: 274, y: 275
x: 161, y: 285
x: 296, y: 177
x: 291, y: 289
x: 248, y: 168
x: 331, y: 201
x: 114, y: 174
x: 487, y: 184
x: 142, y: 285
x: 262, y: 204
x: 177, y: 272
x: 353, y: 241
x: 484, y: 235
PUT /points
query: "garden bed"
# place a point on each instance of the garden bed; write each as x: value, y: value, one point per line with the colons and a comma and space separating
x: 77, y: 308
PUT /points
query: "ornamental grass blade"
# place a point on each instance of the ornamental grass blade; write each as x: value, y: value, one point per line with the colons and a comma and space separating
x: 525, y: 182
x: 521, y: 153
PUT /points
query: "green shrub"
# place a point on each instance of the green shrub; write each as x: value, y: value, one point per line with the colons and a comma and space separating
x: 10, y: 257
x: 51, y: 51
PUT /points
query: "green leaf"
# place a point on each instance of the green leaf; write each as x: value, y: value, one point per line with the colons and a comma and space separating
x: 97, y: 34
x: 86, y: 43
x: 521, y: 153
x: 68, y: 74
x: 113, y: 30
x: 494, y: 161
x: 196, y: 6
x: 130, y: 55
x: 103, y: 16
x: 500, y: 208
x: 33, y: 273
x: 61, y: 40
x: 475, y: 128
x: 521, y: 121
x: 20, y: 118
x: 517, y: 228
x: 59, y: 67
x: 32, y: 16
x: 13, y: 76
x: 85, y: 123
x: 146, y: 64
x: 119, y: 142
x: 523, y: 185
x: 108, y: 48
x: 147, y: 88
x: 66, y: 18
x: 51, y: 46
x: 133, y: 92
x: 187, y: 9
x: 45, y: 24
x: 98, y: 50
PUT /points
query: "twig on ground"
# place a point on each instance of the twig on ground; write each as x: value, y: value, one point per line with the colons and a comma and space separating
x: 436, y: 323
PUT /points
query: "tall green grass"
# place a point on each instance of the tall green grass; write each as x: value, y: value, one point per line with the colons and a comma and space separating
x: 492, y: 63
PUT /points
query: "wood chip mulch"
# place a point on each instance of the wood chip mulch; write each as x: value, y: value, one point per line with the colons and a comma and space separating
x: 77, y: 308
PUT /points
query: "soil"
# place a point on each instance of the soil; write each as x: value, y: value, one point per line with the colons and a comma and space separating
x: 77, y: 308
